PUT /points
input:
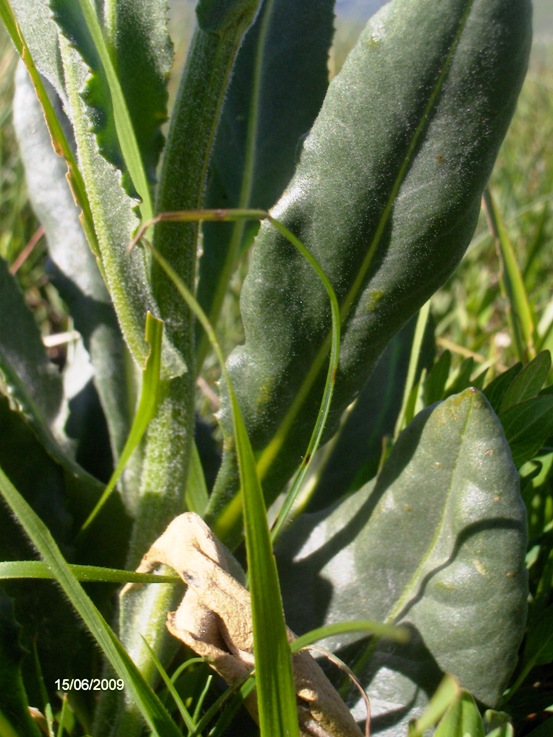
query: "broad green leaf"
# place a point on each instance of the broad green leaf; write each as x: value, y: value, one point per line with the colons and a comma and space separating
x: 182, y: 183
x: 40, y: 34
x: 528, y: 383
x: 77, y: 276
x: 276, y: 90
x: 189, y: 147
x: 32, y: 381
x: 42, y: 481
x: 14, y: 707
x: 114, y: 219
x: 436, y: 542
x: 386, y: 196
x: 527, y: 426
x: 147, y: 702
x: 217, y: 16
x: 37, y: 23
x: 108, y: 210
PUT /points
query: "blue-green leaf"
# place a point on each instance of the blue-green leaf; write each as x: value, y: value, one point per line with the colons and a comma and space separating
x: 277, y: 88
x: 386, y: 196
x: 436, y: 542
x: 76, y: 274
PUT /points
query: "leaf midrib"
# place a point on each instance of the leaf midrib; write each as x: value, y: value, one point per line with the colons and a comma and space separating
x: 410, y: 590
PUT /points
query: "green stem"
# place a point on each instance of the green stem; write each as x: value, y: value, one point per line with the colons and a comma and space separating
x: 170, y: 435
x: 183, y: 176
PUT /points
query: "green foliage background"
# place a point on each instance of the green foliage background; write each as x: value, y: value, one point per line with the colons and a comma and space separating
x: 469, y: 316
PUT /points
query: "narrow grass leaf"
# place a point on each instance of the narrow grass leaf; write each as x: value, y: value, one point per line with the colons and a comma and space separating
x: 149, y: 396
x: 183, y: 711
x: 274, y: 680
x: 117, y: 139
x: 324, y: 409
x: 377, y: 629
x: 512, y: 284
x: 142, y: 53
x: 196, y: 495
x: 147, y: 702
x: 436, y: 379
x: 404, y: 416
x: 444, y: 696
x: 39, y: 569
x: 461, y: 719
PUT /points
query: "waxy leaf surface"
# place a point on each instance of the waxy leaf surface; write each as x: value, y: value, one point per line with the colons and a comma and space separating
x: 436, y: 542
x: 386, y: 196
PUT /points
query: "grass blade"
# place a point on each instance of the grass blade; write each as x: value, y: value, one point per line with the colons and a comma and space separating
x: 123, y: 123
x: 275, y: 683
x: 512, y: 284
x: 150, y: 706
x: 146, y: 409
x: 39, y: 569
x: 391, y: 632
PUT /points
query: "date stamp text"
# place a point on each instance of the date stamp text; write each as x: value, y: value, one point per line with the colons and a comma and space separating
x: 89, y: 684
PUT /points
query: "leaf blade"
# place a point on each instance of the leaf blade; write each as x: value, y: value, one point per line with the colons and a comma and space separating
x: 370, y: 197
x: 450, y: 493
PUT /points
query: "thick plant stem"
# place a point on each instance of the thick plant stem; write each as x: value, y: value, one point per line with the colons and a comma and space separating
x: 170, y: 436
